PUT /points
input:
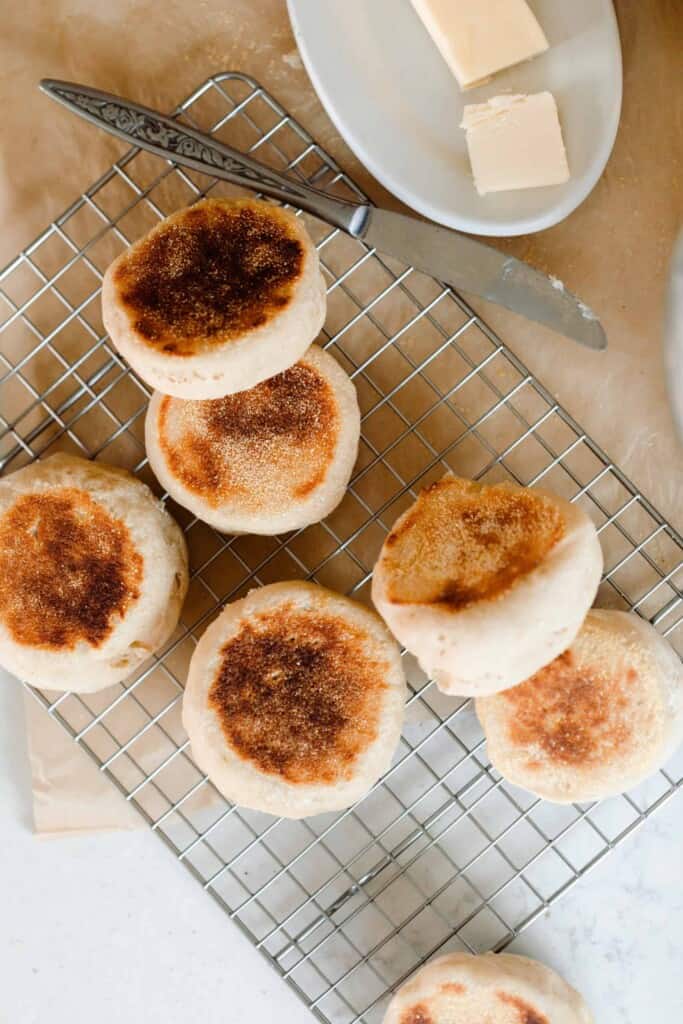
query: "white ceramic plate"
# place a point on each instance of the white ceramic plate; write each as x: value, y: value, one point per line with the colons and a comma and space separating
x: 393, y: 99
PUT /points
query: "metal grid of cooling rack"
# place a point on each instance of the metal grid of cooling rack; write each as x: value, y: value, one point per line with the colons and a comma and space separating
x: 442, y: 854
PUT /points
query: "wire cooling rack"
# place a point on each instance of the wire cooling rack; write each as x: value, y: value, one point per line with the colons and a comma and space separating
x: 442, y: 854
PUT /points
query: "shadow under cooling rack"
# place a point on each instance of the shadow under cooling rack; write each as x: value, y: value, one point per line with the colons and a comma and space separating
x: 442, y: 854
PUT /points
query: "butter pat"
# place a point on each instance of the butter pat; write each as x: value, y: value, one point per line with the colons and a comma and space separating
x: 515, y: 142
x: 479, y: 37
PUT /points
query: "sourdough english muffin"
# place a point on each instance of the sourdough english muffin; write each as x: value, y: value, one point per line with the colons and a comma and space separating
x: 493, y: 988
x: 216, y: 298
x: 93, y: 573
x: 294, y: 700
x: 600, y: 718
x: 484, y: 584
x: 273, y: 458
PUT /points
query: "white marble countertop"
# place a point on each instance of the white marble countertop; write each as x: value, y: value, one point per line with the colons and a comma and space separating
x: 110, y: 928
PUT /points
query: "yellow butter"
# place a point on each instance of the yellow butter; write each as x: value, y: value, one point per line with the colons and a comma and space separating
x: 515, y: 142
x: 476, y: 38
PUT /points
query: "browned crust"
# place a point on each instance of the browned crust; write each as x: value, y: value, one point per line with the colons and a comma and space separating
x: 67, y: 570
x: 263, y: 447
x: 418, y: 1014
x: 209, y: 275
x: 526, y: 1013
x: 462, y: 543
x: 453, y: 988
x: 577, y: 716
x: 297, y: 696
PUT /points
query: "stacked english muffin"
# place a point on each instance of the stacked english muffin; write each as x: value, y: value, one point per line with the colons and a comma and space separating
x: 490, y: 587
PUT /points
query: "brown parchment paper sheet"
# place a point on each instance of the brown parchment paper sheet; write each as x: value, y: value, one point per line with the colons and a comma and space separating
x: 613, y: 251
x: 70, y: 796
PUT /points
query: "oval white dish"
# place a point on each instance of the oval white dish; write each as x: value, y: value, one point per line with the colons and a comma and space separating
x: 391, y: 96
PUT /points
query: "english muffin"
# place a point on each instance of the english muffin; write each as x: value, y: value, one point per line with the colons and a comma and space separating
x: 486, y: 583
x: 93, y: 574
x: 294, y: 700
x: 494, y: 988
x: 216, y: 298
x: 600, y: 718
x: 276, y: 457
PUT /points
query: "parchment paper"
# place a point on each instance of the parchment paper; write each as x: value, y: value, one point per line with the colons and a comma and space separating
x: 69, y: 794
x: 613, y: 251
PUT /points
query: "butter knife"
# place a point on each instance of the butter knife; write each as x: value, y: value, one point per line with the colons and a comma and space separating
x: 447, y: 255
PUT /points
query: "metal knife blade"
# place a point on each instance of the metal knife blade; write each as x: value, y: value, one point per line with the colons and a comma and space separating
x: 447, y: 255
x: 472, y: 266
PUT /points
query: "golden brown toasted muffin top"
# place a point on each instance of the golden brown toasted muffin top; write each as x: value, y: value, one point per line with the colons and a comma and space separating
x: 525, y: 1012
x: 260, y: 448
x: 417, y: 1014
x: 576, y: 714
x: 298, y: 695
x: 210, y: 273
x: 67, y: 570
x: 462, y: 542
x: 445, y: 1005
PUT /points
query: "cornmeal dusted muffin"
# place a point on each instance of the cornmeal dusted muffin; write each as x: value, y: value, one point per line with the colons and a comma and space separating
x: 294, y: 700
x: 216, y: 298
x: 274, y: 458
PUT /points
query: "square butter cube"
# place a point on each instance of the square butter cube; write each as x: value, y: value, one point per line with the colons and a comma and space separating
x: 515, y: 142
x: 479, y: 37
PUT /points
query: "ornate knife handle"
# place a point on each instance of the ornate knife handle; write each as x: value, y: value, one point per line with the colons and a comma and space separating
x: 168, y: 138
